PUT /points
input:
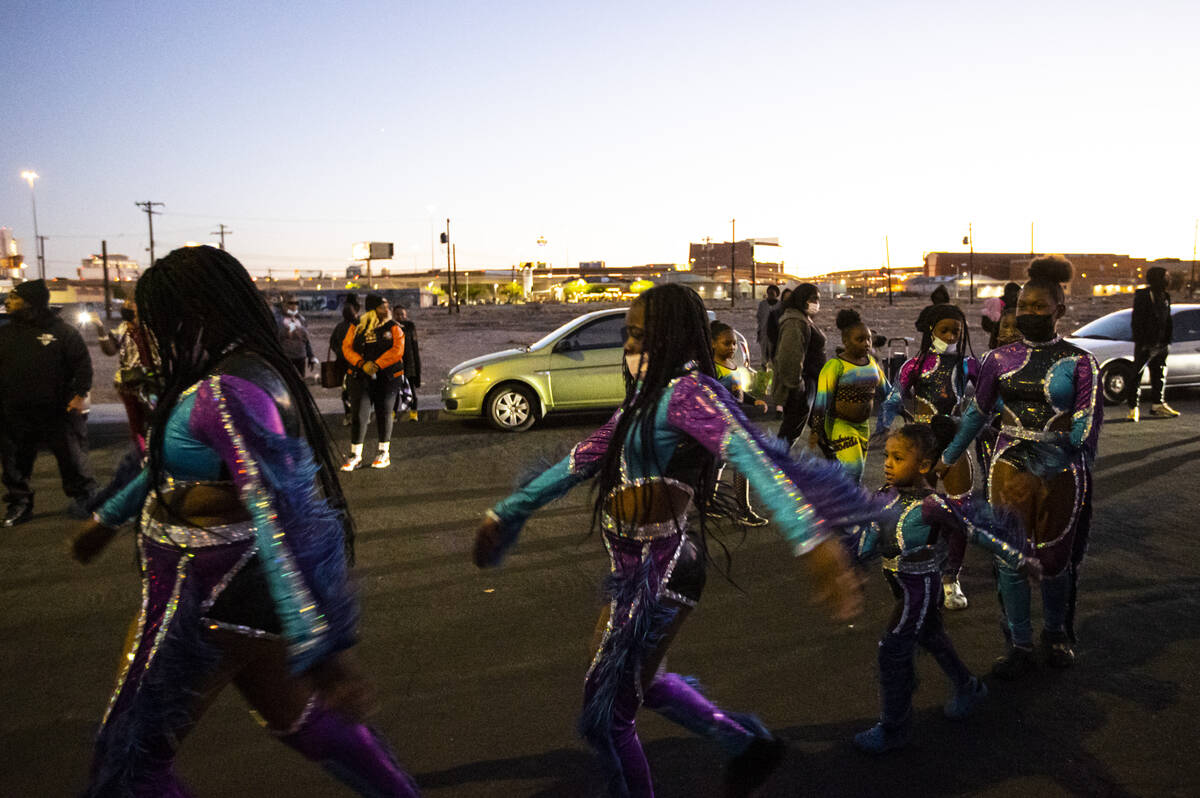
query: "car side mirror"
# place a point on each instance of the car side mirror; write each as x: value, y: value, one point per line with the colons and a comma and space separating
x: 565, y: 345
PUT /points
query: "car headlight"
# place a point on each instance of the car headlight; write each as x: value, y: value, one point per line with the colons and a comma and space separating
x: 465, y: 376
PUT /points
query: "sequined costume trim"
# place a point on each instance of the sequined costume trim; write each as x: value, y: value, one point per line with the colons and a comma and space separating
x: 134, y: 643
x: 194, y: 537
x: 304, y: 624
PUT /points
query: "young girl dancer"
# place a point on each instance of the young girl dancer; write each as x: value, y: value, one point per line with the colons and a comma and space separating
x: 933, y: 384
x: 724, y: 345
x: 653, y: 460
x: 1045, y: 390
x: 243, y: 541
x: 845, y: 389
x: 911, y: 544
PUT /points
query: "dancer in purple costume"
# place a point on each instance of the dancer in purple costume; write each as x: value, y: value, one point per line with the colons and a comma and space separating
x: 653, y: 460
x: 243, y: 542
x: 1046, y: 392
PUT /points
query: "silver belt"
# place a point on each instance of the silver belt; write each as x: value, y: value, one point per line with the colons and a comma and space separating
x: 195, y: 537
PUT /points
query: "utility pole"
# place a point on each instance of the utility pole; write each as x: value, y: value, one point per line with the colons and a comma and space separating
x: 222, y: 232
x: 887, y: 253
x: 41, y: 256
x: 450, y: 276
x: 148, y: 208
x: 467, y: 290
x: 1031, y: 249
x: 107, y: 288
x: 971, y: 239
x: 732, y: 263
x: 1192, y: 285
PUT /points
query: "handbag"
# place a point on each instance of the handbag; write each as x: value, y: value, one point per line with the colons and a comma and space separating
x: 333, y: 372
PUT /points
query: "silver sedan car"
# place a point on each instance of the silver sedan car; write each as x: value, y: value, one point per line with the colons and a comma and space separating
x: 1110, y: 339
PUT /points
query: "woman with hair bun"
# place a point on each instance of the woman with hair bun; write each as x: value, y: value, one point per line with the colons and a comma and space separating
x: 1046, y: 392
x: 845, y: 390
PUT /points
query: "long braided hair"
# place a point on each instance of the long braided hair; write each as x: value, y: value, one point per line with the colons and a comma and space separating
x: 199, y: 304
x: 676, y: 334
x: 928, y: 321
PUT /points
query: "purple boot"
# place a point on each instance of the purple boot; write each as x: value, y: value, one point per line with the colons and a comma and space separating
x: 352, y: 752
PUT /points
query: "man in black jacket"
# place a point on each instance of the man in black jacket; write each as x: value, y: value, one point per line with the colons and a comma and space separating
x: 45, y: 377
x: 412, y: 359
x: 1152, y: 330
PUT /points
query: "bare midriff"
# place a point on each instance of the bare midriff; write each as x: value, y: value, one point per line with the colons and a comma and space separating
x: 201, y: 505
x: 854, y: 412
x: 648, y: 503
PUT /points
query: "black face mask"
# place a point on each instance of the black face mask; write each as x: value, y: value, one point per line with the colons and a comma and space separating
x: 1036, y: 327
x: 128, y: 314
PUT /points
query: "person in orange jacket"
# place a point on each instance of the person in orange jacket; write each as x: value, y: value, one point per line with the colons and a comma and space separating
x: 374, y: 349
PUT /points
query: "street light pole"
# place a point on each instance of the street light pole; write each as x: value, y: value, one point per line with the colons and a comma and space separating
x: 29, y: 176
x: 733, y: 263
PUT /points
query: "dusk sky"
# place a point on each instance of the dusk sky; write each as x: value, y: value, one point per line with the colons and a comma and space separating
x: 618, y: 131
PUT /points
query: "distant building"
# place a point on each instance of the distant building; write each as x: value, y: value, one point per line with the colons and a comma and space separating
x: 864, y: 282
x: 1096, y: 274
x: 121, y: 269
x: 12, y: 262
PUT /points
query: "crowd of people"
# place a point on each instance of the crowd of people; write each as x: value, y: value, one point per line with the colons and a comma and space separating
x: 246, y: 540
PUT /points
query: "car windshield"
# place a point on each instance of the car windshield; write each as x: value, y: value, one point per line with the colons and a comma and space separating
x: 1113, y: 327
x: 553, y: 336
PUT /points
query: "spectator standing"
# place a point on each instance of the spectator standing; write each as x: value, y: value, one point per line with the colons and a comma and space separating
x: 45, y: 378
x: 766, y: 346
x: 137, y: 369
x: 412, y: 359
x: 374, y: 348
x: 1152, y: 332
x: 995, y: 308
x: 799, y: 357
x: 349, y: 319
x: 293, y: 336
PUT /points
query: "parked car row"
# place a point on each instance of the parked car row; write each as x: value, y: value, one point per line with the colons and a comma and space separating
x: 576, y: 367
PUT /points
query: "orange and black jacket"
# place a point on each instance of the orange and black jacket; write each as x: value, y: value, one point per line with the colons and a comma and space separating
x: 384, y: 345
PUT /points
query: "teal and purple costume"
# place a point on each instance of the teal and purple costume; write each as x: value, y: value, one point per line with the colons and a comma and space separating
x: 658, y: 568
x: 281, y: 575
x: 1050, y: 417
x: 912, y: 543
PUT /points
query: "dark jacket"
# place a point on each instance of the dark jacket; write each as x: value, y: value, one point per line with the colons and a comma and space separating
x: 1152, y: 323
x: 382, y: 345
x: 412, y: 353
x: 44, y: 363
x: 799, y: 356
x: 335, y: 342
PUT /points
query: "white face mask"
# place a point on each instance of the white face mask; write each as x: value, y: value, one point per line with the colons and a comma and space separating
x: 940, y: 346
x: 813, y: 307
x: 636, y: 363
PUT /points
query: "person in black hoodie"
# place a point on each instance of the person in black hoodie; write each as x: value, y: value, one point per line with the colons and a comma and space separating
x: 412, y: 362
x: 45, y: 377
x: 1152, y: 333
x: 374, y: 348
x: 349, y: 319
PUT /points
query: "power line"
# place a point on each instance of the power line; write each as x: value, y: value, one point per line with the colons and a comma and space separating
x: 222, y: 233
x: 148, y: 207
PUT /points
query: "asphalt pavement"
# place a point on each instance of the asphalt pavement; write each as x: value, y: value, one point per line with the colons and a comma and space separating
x: 479, y: 674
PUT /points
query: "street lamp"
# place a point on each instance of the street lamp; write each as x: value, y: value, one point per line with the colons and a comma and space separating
x: 29, y: 176
x: 969, y: 238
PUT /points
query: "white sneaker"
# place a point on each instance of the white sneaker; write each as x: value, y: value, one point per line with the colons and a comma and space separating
x: 1133, y: 415
x: 382, y: 460
x: 1163, y: 410
x: 352, y: 462
x: 953, y: 596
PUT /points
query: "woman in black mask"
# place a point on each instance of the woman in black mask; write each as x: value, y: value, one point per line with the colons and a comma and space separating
x: 1046, y: 391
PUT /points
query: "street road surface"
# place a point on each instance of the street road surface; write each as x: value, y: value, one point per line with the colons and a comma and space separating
x: 479, y: 674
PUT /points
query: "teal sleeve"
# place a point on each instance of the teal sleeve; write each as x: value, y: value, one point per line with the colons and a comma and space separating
x: 553, y: 483
x: 126, y: 503
x: 782, y: 498
x: 868, y: 542
x: 972, y: 422
x: 938, y: 512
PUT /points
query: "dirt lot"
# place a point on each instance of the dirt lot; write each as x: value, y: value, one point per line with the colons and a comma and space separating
x: 446, y: 339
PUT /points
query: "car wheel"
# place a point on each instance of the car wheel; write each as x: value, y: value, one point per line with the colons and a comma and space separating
x: 511, y: 408
x: 1117, y: 380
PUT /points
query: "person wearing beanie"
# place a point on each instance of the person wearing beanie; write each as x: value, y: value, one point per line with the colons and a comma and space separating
x: 1152, y: 333
x: 374, y: 351
x: 45, y: 377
